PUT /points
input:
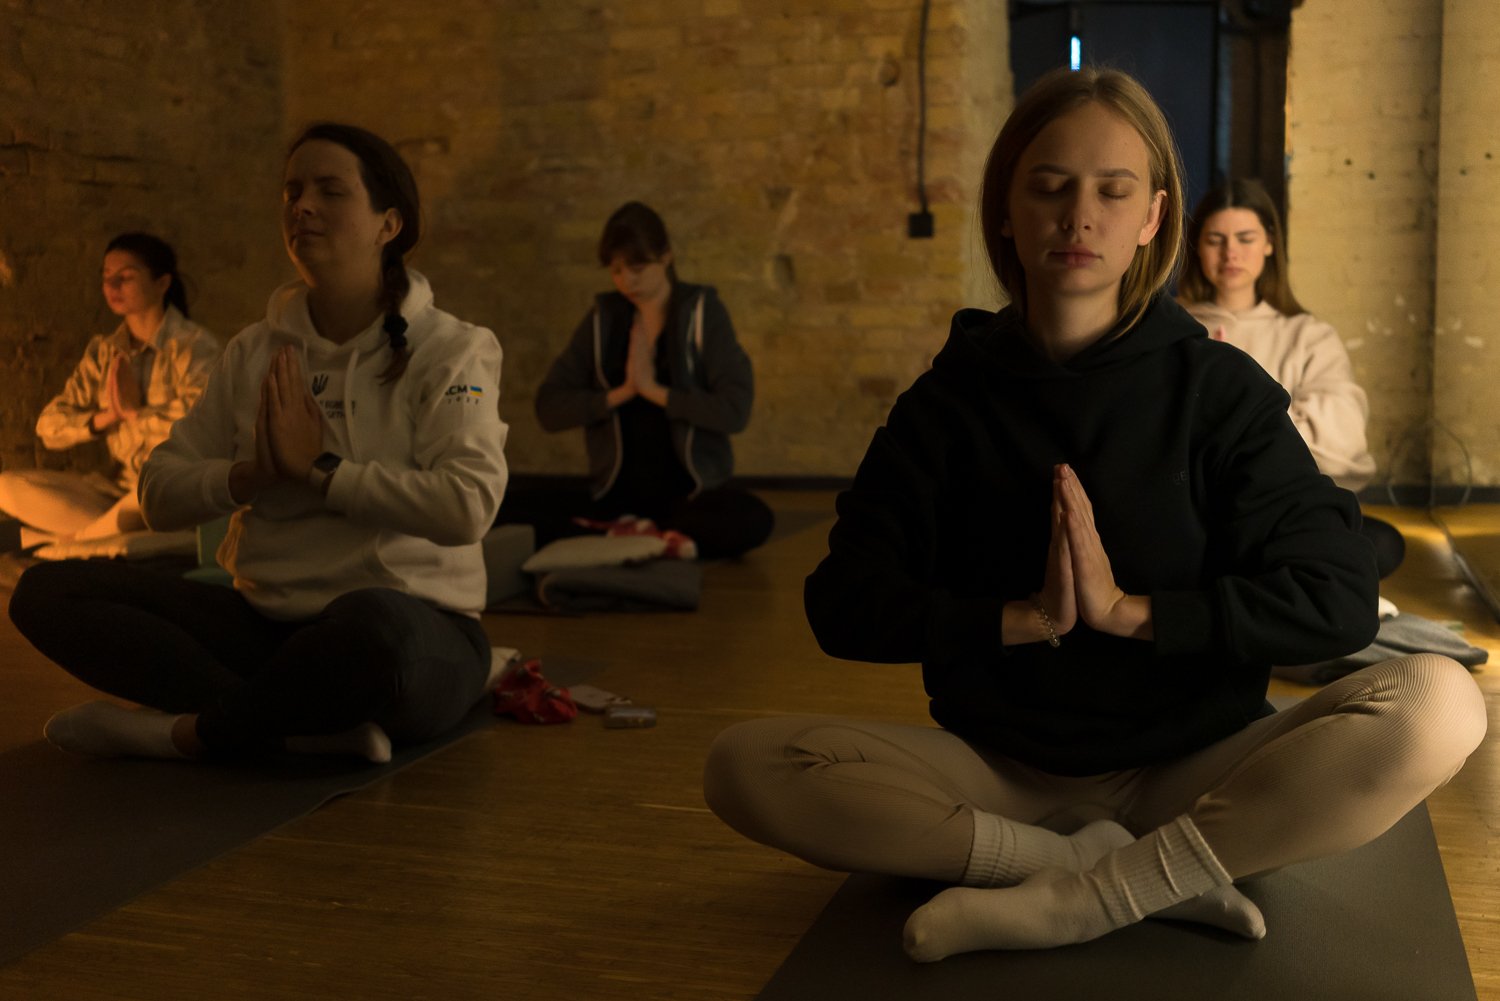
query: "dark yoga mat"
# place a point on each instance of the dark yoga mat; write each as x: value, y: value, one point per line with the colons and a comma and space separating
x: 80, y: 837
x: 1375, y: 924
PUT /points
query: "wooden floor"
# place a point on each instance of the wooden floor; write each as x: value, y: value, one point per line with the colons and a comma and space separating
x: 577, y: 862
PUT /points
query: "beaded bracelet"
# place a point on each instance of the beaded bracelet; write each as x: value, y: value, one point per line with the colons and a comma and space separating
x: 1036, y: 602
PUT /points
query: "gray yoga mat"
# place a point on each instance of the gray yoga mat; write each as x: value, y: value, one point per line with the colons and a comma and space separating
x: 80, y: 837
x: 1375, y: 924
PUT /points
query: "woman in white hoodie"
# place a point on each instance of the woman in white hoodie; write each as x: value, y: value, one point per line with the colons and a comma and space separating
x: 1235, y: 283
x: 354, y: 436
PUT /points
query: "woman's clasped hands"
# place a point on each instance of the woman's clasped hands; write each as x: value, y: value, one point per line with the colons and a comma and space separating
x: 288, y: 429
x: 1079, y: 583
x: 122, y: 395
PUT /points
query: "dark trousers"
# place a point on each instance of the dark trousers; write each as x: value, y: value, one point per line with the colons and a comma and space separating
x: 727, y: 521
x: 373, y: 655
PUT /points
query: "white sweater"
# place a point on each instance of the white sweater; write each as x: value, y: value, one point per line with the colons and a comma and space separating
x: 1305, y: 355
x: 421, y: 481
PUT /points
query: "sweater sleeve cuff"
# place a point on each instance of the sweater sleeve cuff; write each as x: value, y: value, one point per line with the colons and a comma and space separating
x: 341, y: 485
x: 218, y: 496
x: 956, y: 626
x: 1183, y: 622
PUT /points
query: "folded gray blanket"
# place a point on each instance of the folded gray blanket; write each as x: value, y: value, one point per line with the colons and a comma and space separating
x: 1399, y: 636
x: 659, y: 585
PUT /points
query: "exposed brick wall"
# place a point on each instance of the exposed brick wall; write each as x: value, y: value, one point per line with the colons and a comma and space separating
x: 156, y: 118
x: 776, y: 139
x: 1468, y: 273
x: 1363, y: 97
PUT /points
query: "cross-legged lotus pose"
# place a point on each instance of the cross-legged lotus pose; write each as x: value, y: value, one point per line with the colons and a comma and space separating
x: 1096, y: 529
x: 354, y: 435
x: 129, y: 388
x: 1235, y: 282
x: 658, y: 381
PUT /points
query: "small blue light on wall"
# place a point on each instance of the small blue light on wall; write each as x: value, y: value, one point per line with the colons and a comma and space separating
x: 1075, y: 53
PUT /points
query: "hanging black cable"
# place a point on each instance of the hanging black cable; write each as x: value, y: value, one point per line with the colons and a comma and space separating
x: 919, y: 224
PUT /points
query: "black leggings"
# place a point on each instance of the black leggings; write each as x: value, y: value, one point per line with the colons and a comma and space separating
x: 373, y: 655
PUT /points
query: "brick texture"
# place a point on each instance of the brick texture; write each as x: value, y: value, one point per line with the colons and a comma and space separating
x: 1467, y: 354
x: 164, y: 119
x: 1363, y: 96
x: 776, y: 139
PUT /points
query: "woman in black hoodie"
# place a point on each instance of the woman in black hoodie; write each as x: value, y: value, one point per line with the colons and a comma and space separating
x: 1096, y: 529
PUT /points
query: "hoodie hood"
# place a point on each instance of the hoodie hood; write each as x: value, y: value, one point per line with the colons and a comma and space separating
x: 288, y: 317
x: 985, y: 345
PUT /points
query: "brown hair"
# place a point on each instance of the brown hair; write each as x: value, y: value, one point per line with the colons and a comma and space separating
x: 1059, y: 92
x: 389, y: 183
x: 1273, y: 285
x: 636, y: 231
x: 160, y: 259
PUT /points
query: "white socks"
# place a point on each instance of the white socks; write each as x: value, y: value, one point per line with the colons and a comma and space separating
x: 1004, y: 852
x: 105, y: 730
x: 1168, y: 868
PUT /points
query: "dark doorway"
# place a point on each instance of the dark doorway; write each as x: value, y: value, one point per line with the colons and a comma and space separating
x: 1216, y: 67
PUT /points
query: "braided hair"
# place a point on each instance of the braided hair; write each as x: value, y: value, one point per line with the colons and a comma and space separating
x: 390, y: 184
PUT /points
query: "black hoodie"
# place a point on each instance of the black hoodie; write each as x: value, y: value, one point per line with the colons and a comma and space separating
x: 1205, y: 497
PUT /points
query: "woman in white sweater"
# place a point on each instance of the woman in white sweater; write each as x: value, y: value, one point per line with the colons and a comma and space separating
x: 1235, y: 283
x: 354, y: 435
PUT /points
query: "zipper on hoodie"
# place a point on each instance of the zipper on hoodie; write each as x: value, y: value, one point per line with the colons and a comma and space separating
x: 614, y: 415
x: 689, y: 345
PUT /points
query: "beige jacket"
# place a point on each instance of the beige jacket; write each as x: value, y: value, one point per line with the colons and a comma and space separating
x: 1305, y: 355
x: 173, y: 370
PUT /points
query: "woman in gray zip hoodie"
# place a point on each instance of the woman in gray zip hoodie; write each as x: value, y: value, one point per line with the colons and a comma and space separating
x: 657, y: 380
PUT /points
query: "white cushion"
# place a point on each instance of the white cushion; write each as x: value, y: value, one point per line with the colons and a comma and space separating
x: 595, y: 551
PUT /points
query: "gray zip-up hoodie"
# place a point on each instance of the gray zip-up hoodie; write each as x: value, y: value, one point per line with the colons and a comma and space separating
x: 708, y: 398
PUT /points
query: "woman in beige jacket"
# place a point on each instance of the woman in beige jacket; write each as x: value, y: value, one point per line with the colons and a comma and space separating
x: 130, y: 387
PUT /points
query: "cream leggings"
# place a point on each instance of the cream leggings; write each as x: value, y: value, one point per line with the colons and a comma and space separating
x: 1322, y: 777
x: 56, y: 504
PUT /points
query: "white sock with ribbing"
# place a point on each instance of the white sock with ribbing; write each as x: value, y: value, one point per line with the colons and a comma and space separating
x: 1005, y: 852
x: 1170, y: 865
x: 105, y: 730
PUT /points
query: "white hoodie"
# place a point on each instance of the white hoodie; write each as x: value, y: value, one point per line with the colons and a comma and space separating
x: 1305, y: 355
x: 421, y: 480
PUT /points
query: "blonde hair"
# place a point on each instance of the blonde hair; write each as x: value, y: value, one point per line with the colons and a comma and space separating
x: 1273, y: 285
x: 1054, y: 95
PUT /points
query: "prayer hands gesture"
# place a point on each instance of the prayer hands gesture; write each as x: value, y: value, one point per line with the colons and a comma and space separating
x: 122, y: 395
x: 288, y: 429
x: 1079, y: 583
x: 640, y: 368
